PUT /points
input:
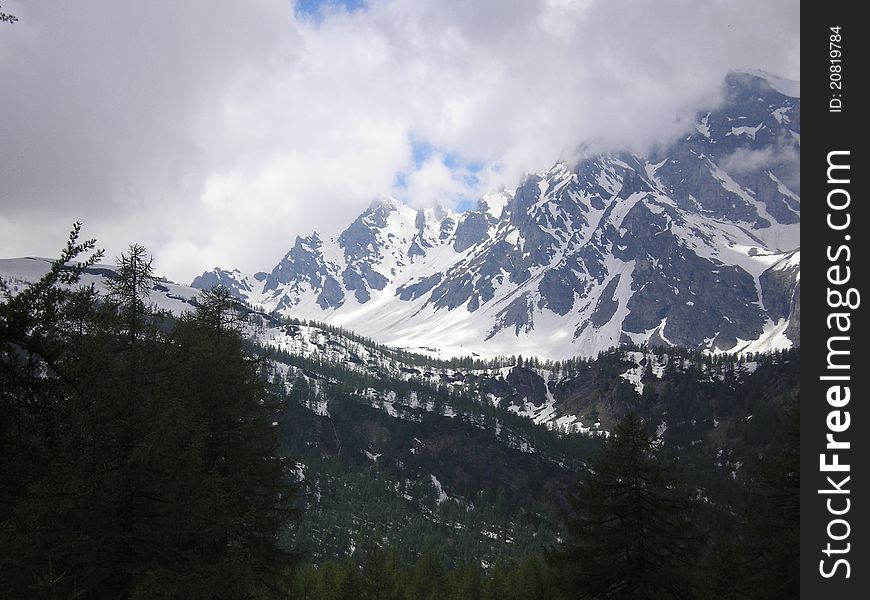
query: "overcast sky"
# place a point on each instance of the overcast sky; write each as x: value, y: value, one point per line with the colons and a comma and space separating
x: 214, y: 132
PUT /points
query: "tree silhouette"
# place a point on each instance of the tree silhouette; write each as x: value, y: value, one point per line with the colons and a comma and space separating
x: 138, y: 454
x: 771, y: 520
x: 629, y: 533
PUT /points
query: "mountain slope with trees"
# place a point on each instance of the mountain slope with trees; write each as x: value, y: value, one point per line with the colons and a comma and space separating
x: 138, y: 455
x: 148, y: 452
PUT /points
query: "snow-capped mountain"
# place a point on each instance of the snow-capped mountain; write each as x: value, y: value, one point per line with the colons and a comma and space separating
x: 694, y: 246
x: 554, y: 394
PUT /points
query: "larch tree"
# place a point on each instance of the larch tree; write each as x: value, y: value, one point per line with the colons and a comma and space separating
x: 629, y: 533
x: 139, y: 453
x: 771, y: 519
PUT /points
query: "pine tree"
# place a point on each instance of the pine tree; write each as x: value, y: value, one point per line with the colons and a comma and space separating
x: 629, y: 533
x: 771, y: 520
x: 378, y: 575
x: 136, y: 461
x: 229, y: 535
x: 131, y: 287
x: 218, y: 309
x: 40, y: 422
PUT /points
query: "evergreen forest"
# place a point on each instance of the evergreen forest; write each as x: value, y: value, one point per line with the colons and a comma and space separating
x: 153, y: 455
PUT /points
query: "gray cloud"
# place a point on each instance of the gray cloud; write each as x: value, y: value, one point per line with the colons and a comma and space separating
x: 216, y: 131
x: 744, y: 160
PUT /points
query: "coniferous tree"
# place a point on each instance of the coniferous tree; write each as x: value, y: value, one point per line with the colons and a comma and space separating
x: 136, y: 461
x: 242, y: 484
x: 378, y: 575
x: 771, y: 520
x: 426, y: 577
x: 629, y: 533
x: 132, y: 287
x: 37, y: 329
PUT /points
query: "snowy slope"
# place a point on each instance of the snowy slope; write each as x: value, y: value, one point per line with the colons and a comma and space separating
x: 678, y: 248
x: 164, y: 295
x: 545, y: 393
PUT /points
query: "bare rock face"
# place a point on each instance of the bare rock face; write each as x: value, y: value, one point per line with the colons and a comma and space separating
x: 234, y: 281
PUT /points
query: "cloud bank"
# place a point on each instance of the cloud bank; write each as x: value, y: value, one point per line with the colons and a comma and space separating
x: 214, y: 132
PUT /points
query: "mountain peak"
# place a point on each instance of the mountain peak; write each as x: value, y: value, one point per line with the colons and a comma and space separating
x: 693, y: 247
x: 311, y: 242
x: 786, y: 87
x: 381, y: 203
